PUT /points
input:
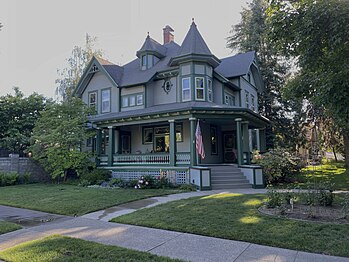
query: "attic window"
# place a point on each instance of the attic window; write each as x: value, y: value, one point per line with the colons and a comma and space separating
x: 94, y: 69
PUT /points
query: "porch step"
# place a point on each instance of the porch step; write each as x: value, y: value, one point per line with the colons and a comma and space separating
x: 228, y: 177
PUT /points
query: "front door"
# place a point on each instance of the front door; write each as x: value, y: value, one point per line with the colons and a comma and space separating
x: 229, y: 147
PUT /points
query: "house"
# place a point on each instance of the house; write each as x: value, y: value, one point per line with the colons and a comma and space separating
x: 148, y: 109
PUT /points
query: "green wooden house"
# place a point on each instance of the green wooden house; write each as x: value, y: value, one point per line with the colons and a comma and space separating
x: 147, y: 111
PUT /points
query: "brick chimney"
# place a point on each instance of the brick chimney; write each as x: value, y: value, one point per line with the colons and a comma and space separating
x: 168, y: 36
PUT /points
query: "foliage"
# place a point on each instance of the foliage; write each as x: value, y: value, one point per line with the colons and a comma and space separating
x: 275, y: 198
x: 8, y: 179
x: 146, y: 182
x: 18, y: 116
x: 316, y: 32
x: 345, y: 205
x: 279, y: 166
x: 94, y: 176
x: 59, y: 248
x: 187, y: 187
x: 6, y: 227
x: 58, y: 136
x: 236, y: 217
x: 70, y: 76
x: 26, y: 177
x: 251, y: 34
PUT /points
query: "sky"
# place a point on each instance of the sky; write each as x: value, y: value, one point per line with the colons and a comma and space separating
x: 38, y: 35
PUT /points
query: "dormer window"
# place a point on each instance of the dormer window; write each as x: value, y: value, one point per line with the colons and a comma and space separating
x: 144, y: 62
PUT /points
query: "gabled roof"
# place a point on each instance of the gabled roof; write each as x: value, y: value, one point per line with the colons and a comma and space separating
x: 152, y: 46
x: 236, y: 65
x: 193, y: 43
x: 113, y: 70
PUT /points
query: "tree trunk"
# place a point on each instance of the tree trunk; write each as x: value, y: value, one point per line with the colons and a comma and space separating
x: 346, y: 147
x: 334, y: 153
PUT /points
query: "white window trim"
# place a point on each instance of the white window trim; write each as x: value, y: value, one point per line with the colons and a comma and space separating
x: 109, y: 99
x: 124, y: 98
x: 186, y: 78
x: 89, y: 99
x: 201, y: 88
x: 139, y: 104
x: 247, y: 99
x: 209, y: 90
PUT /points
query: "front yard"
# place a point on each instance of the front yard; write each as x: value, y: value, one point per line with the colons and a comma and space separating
x: 58, y: 248
x: 6, y: 227
x: 72, y: 200
x: 235, y: 216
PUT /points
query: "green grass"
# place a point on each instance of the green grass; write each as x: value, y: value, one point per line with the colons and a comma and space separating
x: 6, y: 227
x: 71, y: 200
x: 328, y: 171
x: 58, y: 248
x: 235, y: 216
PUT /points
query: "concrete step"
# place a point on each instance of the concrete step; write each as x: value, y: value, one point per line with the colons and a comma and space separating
x: 230, y: 180
x: 230, y: 186
x: 226, y: 172
x: 239, y: 182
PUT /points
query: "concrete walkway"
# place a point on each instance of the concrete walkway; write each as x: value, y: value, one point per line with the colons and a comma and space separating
x: 109, y: 213
x: 184, y: 246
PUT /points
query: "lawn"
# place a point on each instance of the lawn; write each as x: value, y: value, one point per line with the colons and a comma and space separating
x: 6, y: 227
x: 58, y: 248
x: 71, y: 200
x: 328, y: 171
x: 235, y: 216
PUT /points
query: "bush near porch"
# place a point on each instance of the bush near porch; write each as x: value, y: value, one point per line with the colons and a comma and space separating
x: 72, y: 200
x: 236, y: 217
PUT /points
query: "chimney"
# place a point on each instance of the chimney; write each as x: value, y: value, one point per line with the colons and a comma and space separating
x: 168, y: 36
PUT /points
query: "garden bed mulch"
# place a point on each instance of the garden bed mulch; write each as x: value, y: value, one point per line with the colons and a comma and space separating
x: 320, y: 214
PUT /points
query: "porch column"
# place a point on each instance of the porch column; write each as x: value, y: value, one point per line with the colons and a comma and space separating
x: 98, y: 144
x: 239, y: 140
x: 193, y: 160
x: 117, y: 141
x: 262, y: 140
x: 173, y: 142
x: 246, y: 141
x: 111, y: 146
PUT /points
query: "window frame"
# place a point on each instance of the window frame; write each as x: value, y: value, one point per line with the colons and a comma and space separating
x: 209, y: 90
x: 187, y: 89
x: 137, y: 96
x: 96, y: 99
x: 253, y: 107
x: 200, y: 88
x: 247, y: 99
x: 109, y: 108
x: 216, y: 140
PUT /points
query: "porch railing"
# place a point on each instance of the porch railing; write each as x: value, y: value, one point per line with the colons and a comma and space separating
x: 183, y: 158
x: 139, y: 159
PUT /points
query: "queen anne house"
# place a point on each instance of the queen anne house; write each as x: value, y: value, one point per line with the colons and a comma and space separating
x: 148, y: 109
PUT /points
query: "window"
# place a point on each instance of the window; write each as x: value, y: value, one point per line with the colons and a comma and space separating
x: 249, y: 77
x: 209, y: 90
x: 253, y: 103
x: 106, y: 101
x: 125, y: 101
x: 92, y: 100
x: 144, y: 60
x: 105, y: 141
x: 247, y: 101
x: 179, y: 133
x: 139, y: 100
x: 214, y: 145
x: 186, y: 92
x: 229, y: 100
x: 199, y: 88
x: 148, y: 135
x: 132, y: 100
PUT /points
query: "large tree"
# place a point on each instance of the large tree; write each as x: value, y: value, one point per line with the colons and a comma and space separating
x: 58, y: 136
x: 18, y: 116
x: 317, y: 33
x: 252, y: 34
x: 70, y: 76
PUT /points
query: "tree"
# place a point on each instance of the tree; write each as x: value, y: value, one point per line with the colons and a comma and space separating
x: 58, y: 136
x: 317, y: 33
x: 18, y: 116
x: 70, y: 76
x: 252, y: 34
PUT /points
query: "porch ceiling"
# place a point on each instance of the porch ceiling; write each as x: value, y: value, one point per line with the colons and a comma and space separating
x: 179, y: 111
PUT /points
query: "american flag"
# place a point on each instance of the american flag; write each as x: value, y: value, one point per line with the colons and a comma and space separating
x: 199, y: 144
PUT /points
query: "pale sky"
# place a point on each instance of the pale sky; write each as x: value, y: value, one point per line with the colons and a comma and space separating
x: 39, y: 35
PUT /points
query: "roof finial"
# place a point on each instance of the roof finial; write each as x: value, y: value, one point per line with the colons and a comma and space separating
x: 148, y: 34
x: 192, y: 21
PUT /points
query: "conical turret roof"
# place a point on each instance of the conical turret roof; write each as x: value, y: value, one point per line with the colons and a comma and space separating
x: 152, y: 46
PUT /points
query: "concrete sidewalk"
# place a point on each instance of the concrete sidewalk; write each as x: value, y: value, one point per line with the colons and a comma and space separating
x: 161, y: 242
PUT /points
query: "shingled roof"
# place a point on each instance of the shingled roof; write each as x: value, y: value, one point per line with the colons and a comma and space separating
x: 193, y: 43
x: 150, y: 45
x: 236, y: 65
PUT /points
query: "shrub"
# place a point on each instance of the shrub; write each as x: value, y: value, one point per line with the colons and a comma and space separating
x: 146, y: 182
x: 279, y: 166
x: 96, y: 176
x: 8, y: 179
x: 187, y: 187
x: 26, y: 177
x: 275, y: 198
